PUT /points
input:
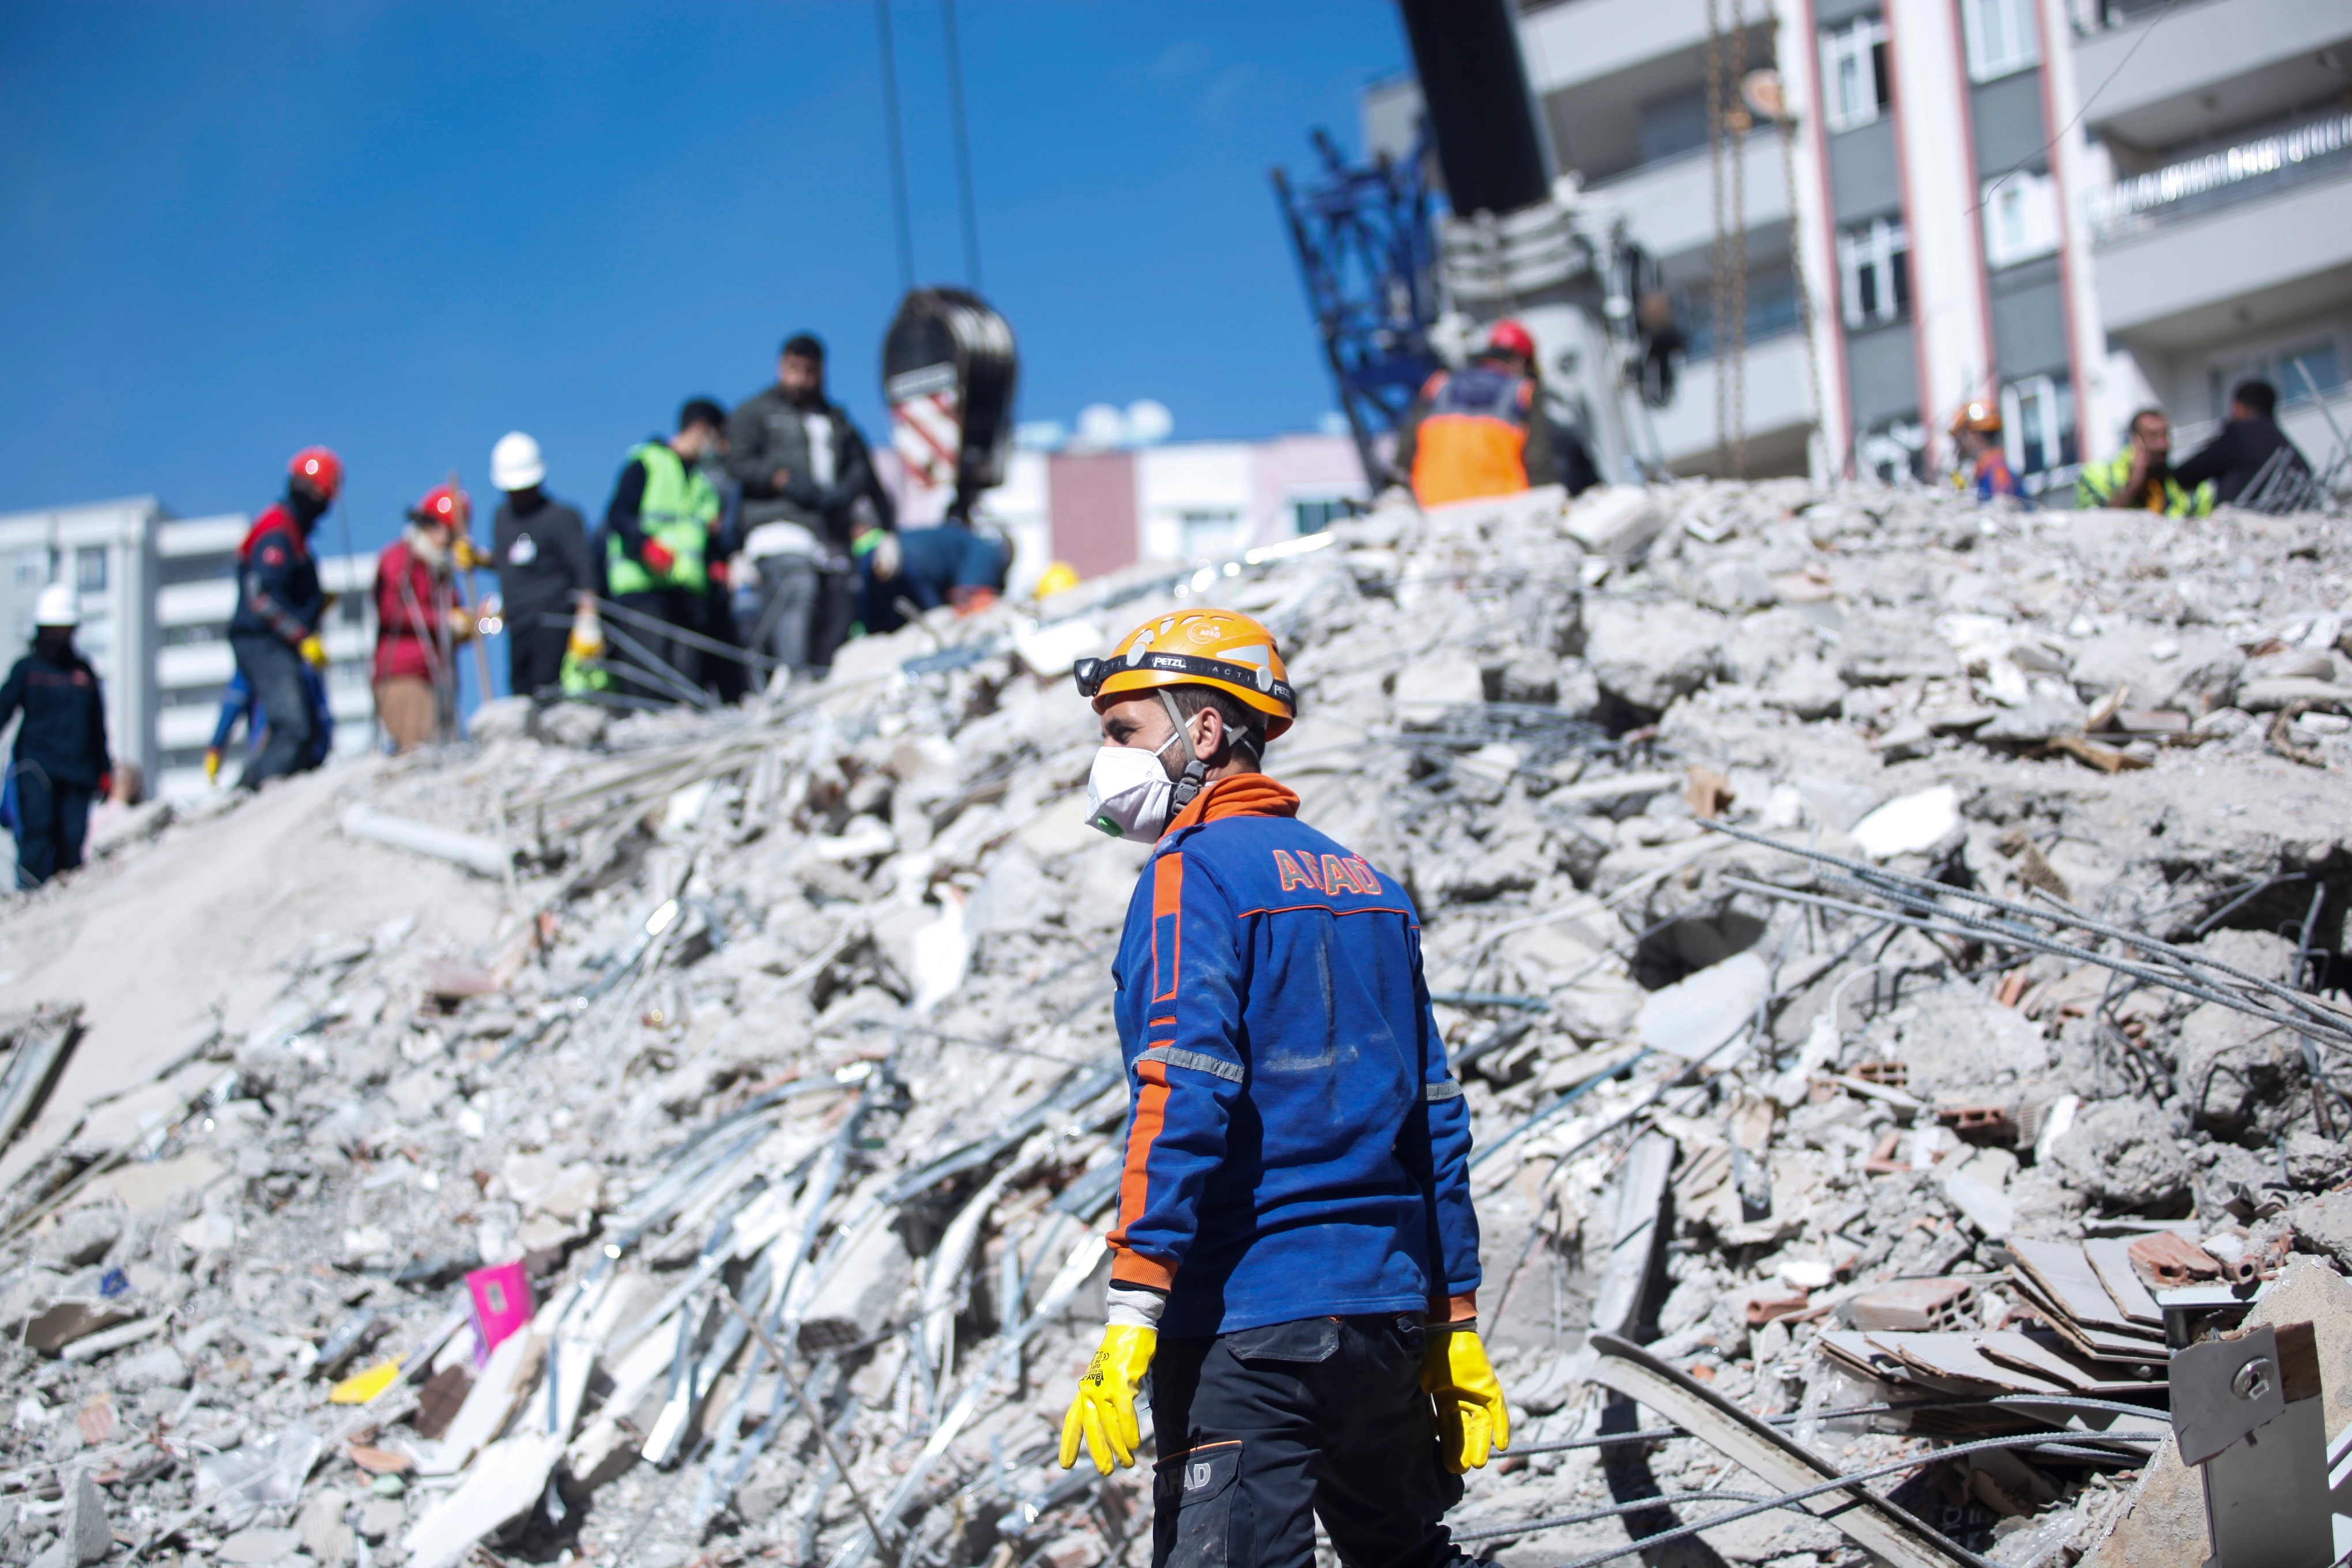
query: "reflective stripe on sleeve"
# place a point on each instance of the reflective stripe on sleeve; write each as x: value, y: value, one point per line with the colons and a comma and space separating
x: 1450, y: 1089
x: 1194, y: 1059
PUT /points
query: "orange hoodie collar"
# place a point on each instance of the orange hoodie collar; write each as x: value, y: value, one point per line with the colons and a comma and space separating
x: 1243, y: 794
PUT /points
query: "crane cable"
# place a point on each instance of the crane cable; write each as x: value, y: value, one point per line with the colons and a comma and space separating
x: 963, y: 146
x: 898, y: 147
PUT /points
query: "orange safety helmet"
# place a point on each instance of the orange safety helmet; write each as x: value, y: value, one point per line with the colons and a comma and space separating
x: 1196, y: 647
x: 443, y: 504
x: 1979, y: 417
x: 320, y: 468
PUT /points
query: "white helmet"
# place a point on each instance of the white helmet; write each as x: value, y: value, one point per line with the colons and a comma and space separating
x: 515, y: 462
x: 58, y: 606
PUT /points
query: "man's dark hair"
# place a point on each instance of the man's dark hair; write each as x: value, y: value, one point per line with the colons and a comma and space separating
x: 1245, y: 723
x: 805, y: 345
x: 2151, y: 412
x: 703, y: 411
x: 2260, y: 397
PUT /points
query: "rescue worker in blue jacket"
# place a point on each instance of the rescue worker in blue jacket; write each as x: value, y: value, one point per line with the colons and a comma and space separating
x: 279, y: 603
x: 1296, y: 1260
x: 61, y: 760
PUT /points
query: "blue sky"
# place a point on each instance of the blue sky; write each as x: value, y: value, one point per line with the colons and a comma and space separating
x: 402, y: 229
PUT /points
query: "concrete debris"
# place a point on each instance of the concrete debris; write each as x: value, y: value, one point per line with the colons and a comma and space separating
x: 802, y: 1007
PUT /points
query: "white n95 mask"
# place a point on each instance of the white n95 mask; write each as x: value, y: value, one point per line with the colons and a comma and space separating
x: 1129, y: 795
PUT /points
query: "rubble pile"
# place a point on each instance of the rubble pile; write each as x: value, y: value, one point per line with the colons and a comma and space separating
x: 737, y: 1195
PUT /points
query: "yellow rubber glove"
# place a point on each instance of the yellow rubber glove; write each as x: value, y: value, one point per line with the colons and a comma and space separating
x: 1103, y: 1413
x: 314, y: 652
x: 1472, y: 1419
x: 211, y: 764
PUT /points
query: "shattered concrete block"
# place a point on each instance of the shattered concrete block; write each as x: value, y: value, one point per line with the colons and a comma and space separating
x: 1616, y: 520
x: 82, y: 1236
x: 325, y: 1536
x: 84, y: 1531
x: 2238, y: 1075
x: 874, y: 1272
x: 2124, y: 1155
x: 1648, y: 656
x: 160, y: 1367
x: 1428, y: 690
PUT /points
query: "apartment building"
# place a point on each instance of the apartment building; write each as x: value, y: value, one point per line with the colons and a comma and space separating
x: 156, y: 594
x: 2074, y: 207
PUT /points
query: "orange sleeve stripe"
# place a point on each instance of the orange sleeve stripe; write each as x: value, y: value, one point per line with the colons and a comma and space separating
x: 1167, y: 923
x: 1150, y: 1115
x: 1134, y: 1268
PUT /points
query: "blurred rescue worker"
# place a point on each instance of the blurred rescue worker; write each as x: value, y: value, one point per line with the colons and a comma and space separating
x: 275, y: 631
x: 61, y: 760
x: 657, y: 549
x: 1296, y: 1261
x: 540, y: 547
x: 238, y: 705
x: 803, y: 467
x: 952, y: 563
x: 418, y: 623
x: 2247, y: 445
x: 2140, y: 477
x: 1982, y: 465
x: 1478, y: 431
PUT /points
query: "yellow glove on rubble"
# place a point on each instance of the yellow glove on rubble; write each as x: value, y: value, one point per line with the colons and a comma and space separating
x: 1472, y: 1419
x: 1104, y: 1411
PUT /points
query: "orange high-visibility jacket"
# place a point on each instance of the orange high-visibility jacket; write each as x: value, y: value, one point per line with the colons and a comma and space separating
x: 1473, y: 440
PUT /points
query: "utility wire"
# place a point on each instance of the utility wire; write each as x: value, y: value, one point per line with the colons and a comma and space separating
x: 963, y: 146
x: 2002, y: 178
x: 898, y: 146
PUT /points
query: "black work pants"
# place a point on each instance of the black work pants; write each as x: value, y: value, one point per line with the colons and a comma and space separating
x: 535, y: 654
x: 679, y: 662
x: 1260, y: 1431
x: 727, y: 679
x: 273, y: 667
x: 833, y: 615
x: 52, y: 821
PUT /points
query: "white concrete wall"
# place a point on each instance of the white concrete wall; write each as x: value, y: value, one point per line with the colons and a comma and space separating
x: 1197, y: 477
x: 1947, y: 299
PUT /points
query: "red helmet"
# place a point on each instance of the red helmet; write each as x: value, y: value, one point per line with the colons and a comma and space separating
x: 321, y: 468
x: 1507, y: 336
x: 443, y: 504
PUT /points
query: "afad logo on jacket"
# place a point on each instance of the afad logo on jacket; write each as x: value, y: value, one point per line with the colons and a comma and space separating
x: 1333, y: 875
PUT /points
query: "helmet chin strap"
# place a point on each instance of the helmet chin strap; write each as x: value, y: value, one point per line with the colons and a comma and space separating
x: 1196, y: 772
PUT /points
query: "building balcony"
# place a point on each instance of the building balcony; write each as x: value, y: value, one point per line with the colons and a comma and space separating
x: 1669, y: 205
x: 2316, y: 149
x: 1583, y: 41
x: 2200, y: 66
x: 2257, y: 236
x: 1779, y: 407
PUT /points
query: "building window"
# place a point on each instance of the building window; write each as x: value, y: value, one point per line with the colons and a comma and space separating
x: 89, y: 569
x: 177, y: 569
x: 1875, y: 268
x: 32, y: 568
x: 2021, y: 219
x: 1854, y: 85
x: 1315, y: 516
x: 183, y: 637
x: 2037, y: 424
x: 2293, y: 369
x: 1211, y: 532
x: 2002, y: 36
